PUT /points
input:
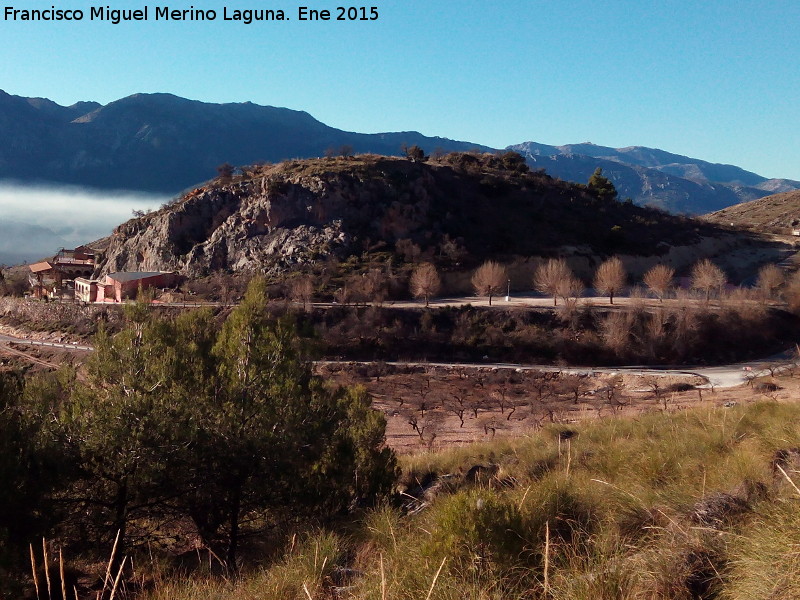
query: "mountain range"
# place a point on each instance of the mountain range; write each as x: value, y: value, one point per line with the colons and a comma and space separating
x: 163, y: 144
x: 654, y: 177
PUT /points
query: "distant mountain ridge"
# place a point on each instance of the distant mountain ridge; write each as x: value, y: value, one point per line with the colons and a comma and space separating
x: 654, y: 177
x: 164, y: 143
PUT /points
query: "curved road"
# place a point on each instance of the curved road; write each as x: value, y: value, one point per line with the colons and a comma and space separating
x: 725, y: 376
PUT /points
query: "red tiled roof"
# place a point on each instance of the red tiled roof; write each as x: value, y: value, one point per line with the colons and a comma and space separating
x: 41, y: 266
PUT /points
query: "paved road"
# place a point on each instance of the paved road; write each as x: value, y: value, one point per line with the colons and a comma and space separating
x: 725, y: 376
x: 534, y: 300
x: 8, y: 339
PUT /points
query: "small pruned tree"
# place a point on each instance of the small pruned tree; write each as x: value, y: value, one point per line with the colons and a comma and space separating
x: 414, y: 153
x: 225, y: 171
x: 555, y: 279
x: 659, y: 280
x: 425, y: 282
x: 609, y: 279
x: 489, y: 279
x: 707, y: 277
x: 770, y: 280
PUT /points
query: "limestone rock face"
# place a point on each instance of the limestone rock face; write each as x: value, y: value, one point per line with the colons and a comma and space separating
x: 237, y: 227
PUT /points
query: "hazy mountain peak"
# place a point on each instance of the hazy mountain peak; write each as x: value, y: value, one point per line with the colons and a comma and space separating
x: 651, y: 176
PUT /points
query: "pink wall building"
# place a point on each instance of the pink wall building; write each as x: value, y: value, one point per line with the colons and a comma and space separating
x: 120, y: 286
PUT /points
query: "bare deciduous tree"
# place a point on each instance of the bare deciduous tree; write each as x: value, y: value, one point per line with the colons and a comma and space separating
x: 302, y: 290
x: 554, y: 278
x: 614, y: 393
x: 770, y: 279
x: 615, y: 331
x: 489, y: 279
x: 707, y: 277
x: 659, y: 280
x: 375, y: 286
x: 410, y: 251
x: 571, y: 287
x: 425, y: 282
x: 609, y: 279
x: 573, y: 386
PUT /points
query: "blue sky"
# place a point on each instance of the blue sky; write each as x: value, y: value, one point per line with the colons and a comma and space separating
x: 714, y: 80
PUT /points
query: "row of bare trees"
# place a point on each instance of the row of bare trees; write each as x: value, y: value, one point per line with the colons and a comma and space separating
x: 555, y: 278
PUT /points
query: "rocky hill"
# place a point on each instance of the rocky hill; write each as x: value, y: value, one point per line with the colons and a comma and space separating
x: 779, y: 213
x: 458, y: 210
x: 163, y: 143
x: 654, y: 177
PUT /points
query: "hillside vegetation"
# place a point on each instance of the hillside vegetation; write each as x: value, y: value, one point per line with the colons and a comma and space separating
x: 779, y: 213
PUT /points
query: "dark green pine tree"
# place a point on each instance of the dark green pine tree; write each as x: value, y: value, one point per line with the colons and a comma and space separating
x: 601, y: 186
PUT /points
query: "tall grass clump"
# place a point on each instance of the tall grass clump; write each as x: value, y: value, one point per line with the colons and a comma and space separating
x: 303, y: 573
x: 765, y: 560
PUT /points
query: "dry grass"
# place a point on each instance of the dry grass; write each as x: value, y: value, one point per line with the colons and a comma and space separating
x: 661, y: 506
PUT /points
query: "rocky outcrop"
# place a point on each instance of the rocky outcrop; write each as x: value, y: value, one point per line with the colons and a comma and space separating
x: 458, y: 208
x: 236, y: 227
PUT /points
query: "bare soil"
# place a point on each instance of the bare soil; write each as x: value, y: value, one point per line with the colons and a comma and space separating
x: 401, y: 392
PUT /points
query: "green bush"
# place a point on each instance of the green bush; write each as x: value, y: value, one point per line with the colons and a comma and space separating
x: 478, y: 530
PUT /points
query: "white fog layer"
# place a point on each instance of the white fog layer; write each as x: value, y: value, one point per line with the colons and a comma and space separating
x: 36, y: 221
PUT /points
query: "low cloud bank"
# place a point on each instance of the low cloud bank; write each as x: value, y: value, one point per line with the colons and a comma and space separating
x: 35, y: 221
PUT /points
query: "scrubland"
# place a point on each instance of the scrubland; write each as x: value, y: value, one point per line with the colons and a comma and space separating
x: 694, y: 504
x: 698, y: 504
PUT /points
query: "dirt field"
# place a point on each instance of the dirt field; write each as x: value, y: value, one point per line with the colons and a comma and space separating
x: 434, y: 407
x: 430, y: 407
